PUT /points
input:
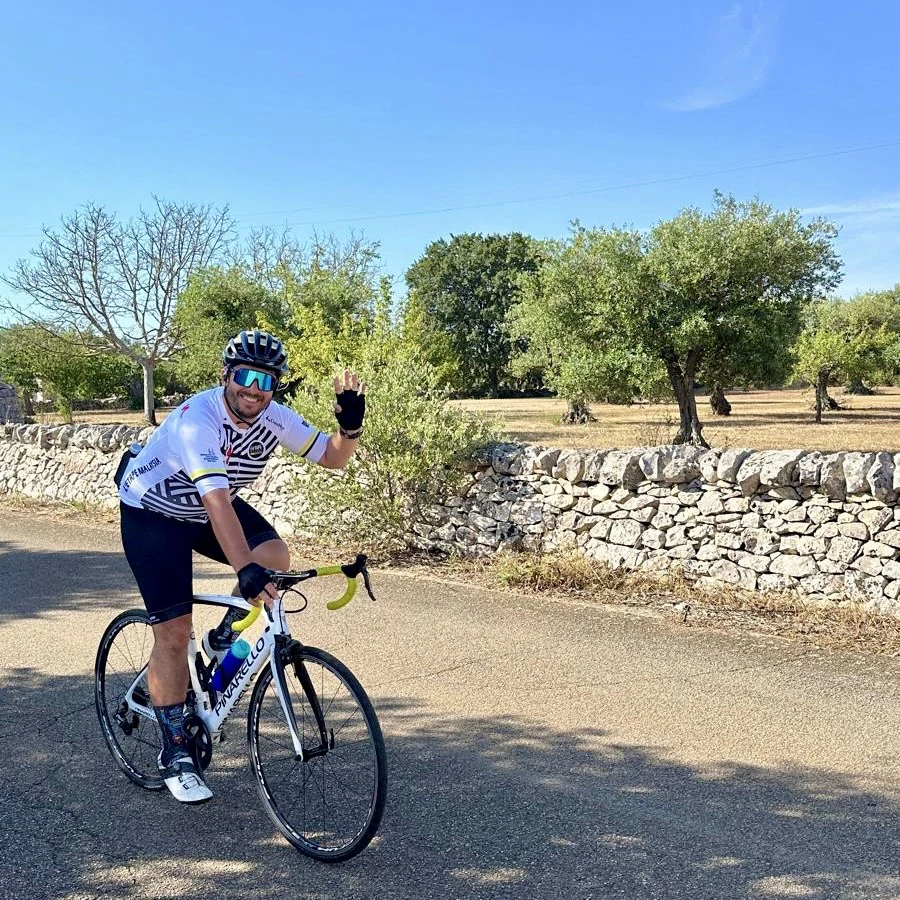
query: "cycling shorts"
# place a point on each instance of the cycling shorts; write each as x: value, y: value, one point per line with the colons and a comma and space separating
x: 158, y: 549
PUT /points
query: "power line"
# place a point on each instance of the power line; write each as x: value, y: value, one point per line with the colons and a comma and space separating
x: 554, y: 196
x: 602, y: 190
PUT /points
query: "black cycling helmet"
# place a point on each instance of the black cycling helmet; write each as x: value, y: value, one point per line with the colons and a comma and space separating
x: 256, y: 348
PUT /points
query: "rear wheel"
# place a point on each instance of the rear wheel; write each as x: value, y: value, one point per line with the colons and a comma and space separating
x: 329, y: 804
x: 123, y: 699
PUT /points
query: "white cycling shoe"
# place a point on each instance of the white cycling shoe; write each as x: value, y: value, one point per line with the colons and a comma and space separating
x: 183, y: 780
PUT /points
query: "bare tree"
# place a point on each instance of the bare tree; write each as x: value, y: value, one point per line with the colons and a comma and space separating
x: 96, y: 276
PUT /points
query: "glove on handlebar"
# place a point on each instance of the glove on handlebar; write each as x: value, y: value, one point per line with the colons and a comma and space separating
x: 353, y: 408
x: 252, y: 580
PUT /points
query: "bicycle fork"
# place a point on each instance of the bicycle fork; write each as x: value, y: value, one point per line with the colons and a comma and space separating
x: 284, y: 651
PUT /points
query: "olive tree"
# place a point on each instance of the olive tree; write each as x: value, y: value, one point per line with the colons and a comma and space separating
x: 100, y: 279
x: 697, y: 291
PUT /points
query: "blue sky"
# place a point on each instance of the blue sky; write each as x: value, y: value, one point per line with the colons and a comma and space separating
x: 411, y: 122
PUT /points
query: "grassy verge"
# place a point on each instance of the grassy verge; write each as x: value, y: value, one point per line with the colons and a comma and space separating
x: 847, y: 626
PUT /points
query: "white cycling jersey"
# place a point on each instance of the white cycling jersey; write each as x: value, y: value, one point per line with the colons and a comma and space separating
x: 198, y: 448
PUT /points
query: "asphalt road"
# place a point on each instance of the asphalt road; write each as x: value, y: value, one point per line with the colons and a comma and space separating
x: 536, y: 749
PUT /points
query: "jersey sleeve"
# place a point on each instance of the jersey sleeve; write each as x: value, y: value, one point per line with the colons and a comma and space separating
x: 300, y: 437
x: 197, y: 441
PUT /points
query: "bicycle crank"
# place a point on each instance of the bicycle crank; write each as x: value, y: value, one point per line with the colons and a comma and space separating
x: 199, y: 741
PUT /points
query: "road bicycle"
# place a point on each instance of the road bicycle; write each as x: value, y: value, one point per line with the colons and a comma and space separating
x: 315, y: 745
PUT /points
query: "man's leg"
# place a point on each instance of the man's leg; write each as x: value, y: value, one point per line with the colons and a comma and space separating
x: 159, y: 553
x: 167, y: 674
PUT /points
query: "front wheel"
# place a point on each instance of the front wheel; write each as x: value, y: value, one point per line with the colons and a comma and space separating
x: 329, y: 804
x: 123, y: 698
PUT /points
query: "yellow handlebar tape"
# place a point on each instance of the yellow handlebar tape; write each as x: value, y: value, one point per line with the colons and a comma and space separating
x: 253, y: 615
x: 248, y: 620
x: 348, y: 596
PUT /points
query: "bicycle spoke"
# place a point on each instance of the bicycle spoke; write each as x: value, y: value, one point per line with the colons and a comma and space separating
x: 327, y: 805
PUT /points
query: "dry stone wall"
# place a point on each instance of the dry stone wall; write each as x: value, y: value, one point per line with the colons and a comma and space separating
x: 76, y: 463
x: 824, y: 525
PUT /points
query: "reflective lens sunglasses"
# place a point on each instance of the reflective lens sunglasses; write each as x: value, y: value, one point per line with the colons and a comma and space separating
x: 245, y: 377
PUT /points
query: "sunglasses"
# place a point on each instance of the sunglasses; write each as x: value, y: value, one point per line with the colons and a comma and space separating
x: 245, y: 377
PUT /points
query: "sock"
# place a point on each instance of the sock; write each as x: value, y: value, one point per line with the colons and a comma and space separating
x: 170, y: 720
x: 234, y: 614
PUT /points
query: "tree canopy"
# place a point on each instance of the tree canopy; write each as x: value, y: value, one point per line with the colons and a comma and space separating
x: 463, y: 289
x: 67, y: 366
x: 99, y: 279
x: 701, y: 292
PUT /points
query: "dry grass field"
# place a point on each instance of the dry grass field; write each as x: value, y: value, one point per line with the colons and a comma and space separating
x: 760, y: 420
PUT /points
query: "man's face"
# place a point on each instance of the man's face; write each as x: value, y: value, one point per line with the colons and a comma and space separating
x: 249, y: 400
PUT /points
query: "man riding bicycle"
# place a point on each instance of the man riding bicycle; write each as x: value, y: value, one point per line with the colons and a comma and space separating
x: 179, y: 494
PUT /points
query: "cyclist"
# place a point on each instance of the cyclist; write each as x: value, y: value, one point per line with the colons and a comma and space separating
x: 179, y: 494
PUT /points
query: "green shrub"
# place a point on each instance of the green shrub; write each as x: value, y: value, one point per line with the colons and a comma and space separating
x: 409, y: 454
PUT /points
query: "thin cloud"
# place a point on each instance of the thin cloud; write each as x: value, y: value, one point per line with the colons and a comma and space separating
x: 739, y: 58
x: 869, y: 240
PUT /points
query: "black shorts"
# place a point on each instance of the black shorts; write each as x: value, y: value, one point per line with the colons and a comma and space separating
x: 159, y: 549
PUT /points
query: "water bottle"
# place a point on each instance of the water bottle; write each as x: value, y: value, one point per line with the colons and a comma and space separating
x: 229, y: 665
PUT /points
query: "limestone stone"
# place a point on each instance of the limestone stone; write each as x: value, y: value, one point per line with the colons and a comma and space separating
x: 855, y: 530
x: 569, y: 465
x: 593, y: 463
x: 710, y: 504
x: 770, y: 582
x: 758, y: 564
x: 730, y: 463
x: 809, y: 467
x: 622, y: 467
x: 544, y: 461
x: 709, y: 465
x: 876, y: 519
x: 730, y: 541
x: 674, y: 464
x: 708, y: 552
x: 663, y: 521
x: 831, y: 476
x: 880, y: 478
x: 560, y: 501
x: 654, y: 539
x: 871, y: 565
x: 723, y: 570
x: 843, y: 549
x: 625, y: 532
x: 599, y: 492
x: 794, y: 566
x: 856, y: 467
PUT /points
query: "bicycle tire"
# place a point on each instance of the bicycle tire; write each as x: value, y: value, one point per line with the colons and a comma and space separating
x: 133, y: 740
x: 329, y: 807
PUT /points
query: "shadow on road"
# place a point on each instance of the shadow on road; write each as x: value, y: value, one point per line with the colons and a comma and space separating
x: 478, y: 807
x: 37, y: 582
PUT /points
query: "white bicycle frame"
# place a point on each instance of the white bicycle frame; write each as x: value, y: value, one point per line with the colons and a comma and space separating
x: 261, y: 651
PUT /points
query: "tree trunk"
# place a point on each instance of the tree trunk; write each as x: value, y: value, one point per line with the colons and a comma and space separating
x: 690, y: 430
x: 857, y: 387
x: 821, y: 383
x: 823, y: 401
x: 718, y: 401
x: 149, y: 400
x: 578, y: 413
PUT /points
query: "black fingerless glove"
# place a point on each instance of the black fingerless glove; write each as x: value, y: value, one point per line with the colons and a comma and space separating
x: 252, y: 580
x: 353, y: 408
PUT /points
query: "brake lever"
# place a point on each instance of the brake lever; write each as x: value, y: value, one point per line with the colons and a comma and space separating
x: 366, y: 582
